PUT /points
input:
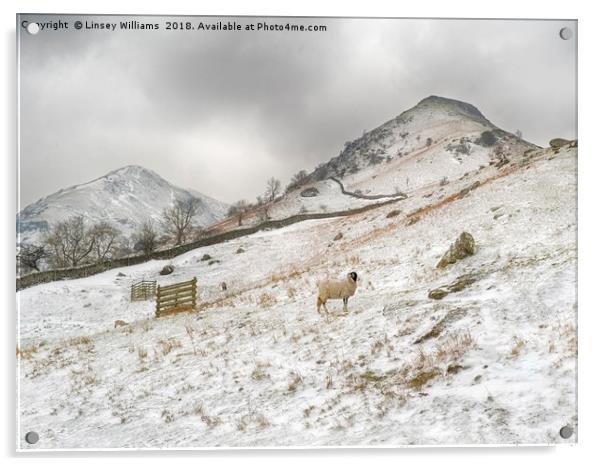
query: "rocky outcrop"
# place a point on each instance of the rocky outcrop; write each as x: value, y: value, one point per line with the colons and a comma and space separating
x: 167, y: 270
x: 457, y: 285
x: 557, y: 143
x: 310, y: 192
x: 463, y: 247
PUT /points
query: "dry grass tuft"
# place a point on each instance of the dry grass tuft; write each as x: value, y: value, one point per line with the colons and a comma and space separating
x: 190, y: 331
x: 167, y: 416
x: 168, y: 345
x: 454, y: 347
x: 517, y: 347
x: 85, y: 340
x: 142, y: 354
x: 307, y: 411
x: 259, y: 372
x: 422, y: 378
x: 286, y: 276
x: 295, y: 381
x: 211, y: 421
x: 380, y: 344
x: 27, y: 351
x: 353, y: 260
x: 266, y: 300
x: 253, y: 418
x: 82, y: 379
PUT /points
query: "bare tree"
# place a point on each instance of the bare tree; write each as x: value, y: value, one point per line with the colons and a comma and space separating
x: 104, y: 236
x: 147, y: 238
x: 178, y: 218
x: 273, y: 189
x: 298, y: 179
x: 29, y: 256
x: 238, y: 210
x: 70, y: 243
x: 518, y: 133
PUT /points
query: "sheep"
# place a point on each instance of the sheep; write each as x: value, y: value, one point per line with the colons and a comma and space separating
x: 336, y: 289
x: 120, y: 323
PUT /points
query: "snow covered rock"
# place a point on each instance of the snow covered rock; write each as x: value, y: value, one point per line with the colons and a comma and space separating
x: 168, y: 269
x: 463, y: 247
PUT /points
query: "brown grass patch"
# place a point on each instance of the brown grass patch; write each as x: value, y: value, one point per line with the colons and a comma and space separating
x: 85, y: 340
x: 266, y: 300
x: 422, y: 378
x: 27, y: 351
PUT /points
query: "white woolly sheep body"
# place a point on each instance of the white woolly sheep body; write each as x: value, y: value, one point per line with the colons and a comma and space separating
x: 336, y: 289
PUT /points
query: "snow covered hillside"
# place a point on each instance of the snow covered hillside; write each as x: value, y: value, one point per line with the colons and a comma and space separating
x: 436, y: 142
x: 255, y: 365
x: 126, y: 198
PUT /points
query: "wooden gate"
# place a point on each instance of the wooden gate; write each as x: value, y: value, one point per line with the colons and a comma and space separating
x: 143, y: 290
x: 178, y: 297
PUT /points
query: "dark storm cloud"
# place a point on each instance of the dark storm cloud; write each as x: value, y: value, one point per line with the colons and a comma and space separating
x: 222, y: 111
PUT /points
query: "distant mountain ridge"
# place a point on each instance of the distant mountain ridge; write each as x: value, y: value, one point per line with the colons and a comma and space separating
x: 125, y: 197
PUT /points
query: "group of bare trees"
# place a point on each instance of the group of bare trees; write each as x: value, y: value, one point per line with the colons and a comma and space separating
x: 176, y: 221
x: 299, y: 179
x: 30, y: 256
x: 71, y: 243
x: 262, y: 204
x: 74, y: 242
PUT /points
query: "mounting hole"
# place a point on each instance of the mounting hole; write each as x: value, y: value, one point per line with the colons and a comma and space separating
x: 566, y: 33
x: 32, y: 437
x: 33, y: 28
x: 566, y: 432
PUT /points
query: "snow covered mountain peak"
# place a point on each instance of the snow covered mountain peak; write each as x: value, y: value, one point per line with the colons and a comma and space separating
x: 434, y: 122
x: 125, y: 197
x: 448, y: 107
x: 132, y: 170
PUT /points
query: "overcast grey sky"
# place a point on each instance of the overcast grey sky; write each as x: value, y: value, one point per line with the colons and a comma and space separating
x: 220, y: 111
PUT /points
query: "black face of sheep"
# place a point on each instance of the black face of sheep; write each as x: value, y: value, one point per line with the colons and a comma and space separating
x: 353, y: 276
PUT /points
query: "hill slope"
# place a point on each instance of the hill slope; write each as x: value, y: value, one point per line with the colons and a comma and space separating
x: 494, y: 362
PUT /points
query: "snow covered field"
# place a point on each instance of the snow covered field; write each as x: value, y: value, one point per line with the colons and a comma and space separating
x: 257, y: 366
